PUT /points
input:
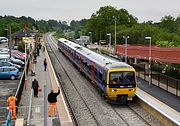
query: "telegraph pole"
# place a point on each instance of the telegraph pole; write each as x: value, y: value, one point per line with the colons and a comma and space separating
x: 115, y: 35
x: 10, y: 44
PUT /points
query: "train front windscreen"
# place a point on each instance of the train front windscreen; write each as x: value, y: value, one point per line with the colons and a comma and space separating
x: 122, y: 79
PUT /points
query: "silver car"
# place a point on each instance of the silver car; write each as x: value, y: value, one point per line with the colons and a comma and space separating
x: 4, y: 63
x: 16, y: 61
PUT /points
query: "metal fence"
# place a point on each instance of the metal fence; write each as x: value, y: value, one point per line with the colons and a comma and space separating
x: 36, y: 117
x: 18, y: 94
x: 160, y: 80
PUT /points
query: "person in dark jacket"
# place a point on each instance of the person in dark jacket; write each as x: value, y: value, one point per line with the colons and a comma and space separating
x: 35, y: 86
x: 52, y: 99
x: 45, y: 64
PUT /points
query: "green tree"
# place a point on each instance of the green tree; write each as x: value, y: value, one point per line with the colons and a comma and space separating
x: 103, y: 21
x: 168, y: 23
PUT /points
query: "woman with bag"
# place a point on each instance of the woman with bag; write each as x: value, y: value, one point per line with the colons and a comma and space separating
x: 35, y: 86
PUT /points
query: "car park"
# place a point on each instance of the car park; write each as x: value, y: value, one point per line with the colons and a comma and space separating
x: 9, y: 72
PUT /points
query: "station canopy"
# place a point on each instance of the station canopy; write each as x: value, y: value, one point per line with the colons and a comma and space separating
x: 161, y: 54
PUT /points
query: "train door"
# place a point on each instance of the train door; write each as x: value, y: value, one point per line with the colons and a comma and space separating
x: 92, y: 72
x: 81, y: 62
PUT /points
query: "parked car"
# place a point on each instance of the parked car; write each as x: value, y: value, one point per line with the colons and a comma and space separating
x: 3, y: 39
x: 18, y: 55
x: 5, y: 63
x: 12, y: 60
x: 4, y: 56
x: 4, y: 50
x: 17, y: 61
x: 9, y: 72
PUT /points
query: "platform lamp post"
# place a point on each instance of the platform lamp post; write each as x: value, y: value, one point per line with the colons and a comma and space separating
x: 25, y: 40
x: 126, y: 38
x: 109, y: 34
x: 149, y: 38
x: 9, y: 41
x: 114, y: 33
x: 91, y: 37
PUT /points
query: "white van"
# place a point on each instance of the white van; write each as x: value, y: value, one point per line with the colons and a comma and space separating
x: 3, y: 40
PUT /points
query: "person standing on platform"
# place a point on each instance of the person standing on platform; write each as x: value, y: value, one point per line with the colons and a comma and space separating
x: 45, y: 64
x: 35, y: 86
x: 12, y: 106
x: 35, y: 58
x: 39, y: 46
x: 52, y: 99
x: 38, y: 52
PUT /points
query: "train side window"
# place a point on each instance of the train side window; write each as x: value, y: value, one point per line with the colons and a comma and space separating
x: 89, y: 67
x: 85, y: 63
x: 96, y: 72
x: 100, y: 76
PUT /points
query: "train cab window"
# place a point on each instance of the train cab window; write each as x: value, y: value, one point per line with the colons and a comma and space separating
x: 115, y: 81
x: 129, y: 77
x: 122, y: 78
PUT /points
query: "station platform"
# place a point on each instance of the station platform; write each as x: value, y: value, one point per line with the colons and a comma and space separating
x: 164, y: 102
x: 48, y: 80
x: 162, y: 95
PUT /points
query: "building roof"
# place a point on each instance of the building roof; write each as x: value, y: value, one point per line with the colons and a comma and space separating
x: 25, y: 32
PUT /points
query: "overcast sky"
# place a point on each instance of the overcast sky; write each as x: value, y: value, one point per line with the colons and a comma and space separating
x: 68, y: 10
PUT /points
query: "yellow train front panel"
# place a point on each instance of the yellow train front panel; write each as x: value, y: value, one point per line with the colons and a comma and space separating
x: 121, y: 82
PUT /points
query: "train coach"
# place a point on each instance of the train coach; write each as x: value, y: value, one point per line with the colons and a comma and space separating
x: 117, y: 80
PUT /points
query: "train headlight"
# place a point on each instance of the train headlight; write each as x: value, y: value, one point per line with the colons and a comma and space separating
x: 113, y: 90
x: 132, y: 89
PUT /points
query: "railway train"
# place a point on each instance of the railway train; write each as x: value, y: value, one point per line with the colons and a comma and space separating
x: 116, y: 80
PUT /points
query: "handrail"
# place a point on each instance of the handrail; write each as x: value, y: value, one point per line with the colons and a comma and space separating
x: 19, y: 85
x: 30, y: 105
x: 8, y: 121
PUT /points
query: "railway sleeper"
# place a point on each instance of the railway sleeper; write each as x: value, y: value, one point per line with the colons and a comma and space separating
x: 122, y: 99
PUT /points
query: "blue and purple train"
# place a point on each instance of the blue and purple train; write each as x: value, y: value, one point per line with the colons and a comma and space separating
x: 117, y: 80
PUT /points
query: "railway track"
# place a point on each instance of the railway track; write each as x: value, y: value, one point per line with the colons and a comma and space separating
x: 86, y: 104
x: 91, y: 119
